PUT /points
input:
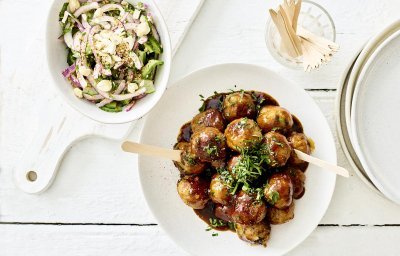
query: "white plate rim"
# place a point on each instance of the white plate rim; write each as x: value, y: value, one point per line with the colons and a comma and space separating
x: 366, y: 52
x: 341, y: 127
x: 354, y: 115
x: 216, y: 66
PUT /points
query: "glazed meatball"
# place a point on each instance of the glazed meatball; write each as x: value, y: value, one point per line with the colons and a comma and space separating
x: 219, y: 191
x: 298, y: 178
x: 224, y: 212
x: 237, y: 105
x: 242, y: 133
x: 247, y: 209
x: 193, y: 191
x: 218, y: 164
x: 300, y: 142
x: 208, y: 118
x: 278, y: 148
x: 257, y: 233
x: 280, y: 216
x: 232, y: 163
x: 279, y: 190
x: 208, y: 144
x: 274, y: 118
x: 189, y: 163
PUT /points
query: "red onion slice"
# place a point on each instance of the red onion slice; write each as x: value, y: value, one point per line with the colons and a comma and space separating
x: 109, y: 7
x: 93, y: 97
x: 68, y: 71
x: 130, y: 106
x: 75, y: 81
x: 121, y: 97
x: 97, y: 71
x: 85, y: 23
x: 86, y: 8
x: 155, y: 33
x: 120, y: 87
x: 94, y: 85
x: 103, y: 102
x: 140, y: 96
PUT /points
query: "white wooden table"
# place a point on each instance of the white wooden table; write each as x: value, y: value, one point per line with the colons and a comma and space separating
x: 95, y: 206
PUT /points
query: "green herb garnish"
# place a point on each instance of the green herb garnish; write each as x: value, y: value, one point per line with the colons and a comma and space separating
x: 211, y: 150
x: 231, y: 226
x: 63, y: 10
x: 216, y: 223
x: 277, y: 142
x: 273, y: 197
x: 243, y: 122
x: 190, y: 159
x: 282, y: 120
x: 250, y: 166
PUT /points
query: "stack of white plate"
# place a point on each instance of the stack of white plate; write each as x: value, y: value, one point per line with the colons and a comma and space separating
x: 368, y: 108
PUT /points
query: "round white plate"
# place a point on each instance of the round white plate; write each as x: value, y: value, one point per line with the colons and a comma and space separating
x: 359, y: 65
x: 374, y: 121
x: 342, y: 131
x: 159, y: 177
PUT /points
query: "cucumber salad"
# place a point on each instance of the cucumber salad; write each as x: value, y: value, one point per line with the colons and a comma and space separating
x: 113, y: 51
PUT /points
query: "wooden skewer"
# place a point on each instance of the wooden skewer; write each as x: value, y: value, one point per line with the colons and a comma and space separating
x: 175, y: 155
x: 297, y: 41
x: 321, y: 163
x: 289, y: 29
x: 323, y: 41
x: 297, y: 8
x: 148, y: 150
x: 285, y: 37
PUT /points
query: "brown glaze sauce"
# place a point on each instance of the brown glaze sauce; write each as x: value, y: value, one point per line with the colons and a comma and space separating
x: 215, y: 102
x: 208, y: 212
x: 185, y: 133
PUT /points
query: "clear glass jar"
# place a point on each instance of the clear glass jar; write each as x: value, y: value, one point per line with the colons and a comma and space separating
x: 312, y: 17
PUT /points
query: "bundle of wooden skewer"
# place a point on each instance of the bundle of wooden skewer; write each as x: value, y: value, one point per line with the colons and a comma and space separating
x: 297, y: 41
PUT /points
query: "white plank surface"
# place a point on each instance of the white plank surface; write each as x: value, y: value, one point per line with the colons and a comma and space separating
x: 55, y: 240
x: 105, y: 189
x: 233, y: 31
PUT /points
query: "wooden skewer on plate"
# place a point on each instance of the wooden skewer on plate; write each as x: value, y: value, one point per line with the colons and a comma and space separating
x: 175, y: 155
x: 138, y: 148
x: 323, y: 164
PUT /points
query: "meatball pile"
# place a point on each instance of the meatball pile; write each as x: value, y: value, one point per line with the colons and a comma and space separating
x: 238, y: 164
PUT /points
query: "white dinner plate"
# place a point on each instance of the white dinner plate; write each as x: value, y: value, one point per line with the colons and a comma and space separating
x: 374, y: 120
x: 159, y: 177
x: 359, y: 65
x: 341, y: 126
